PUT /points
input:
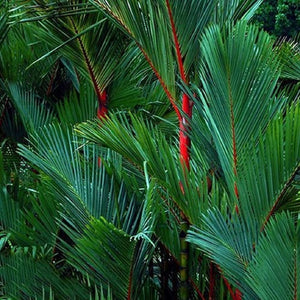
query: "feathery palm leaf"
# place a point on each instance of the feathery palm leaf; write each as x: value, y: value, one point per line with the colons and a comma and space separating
x: 270, y: 169
x: 290, y: 58
x: 142, y: 145
x: 278, y: 259
x: 4, y: 27
x: 78, y: 108
x: 239, y: 78
x: 33, y: 111
x: 110, y: 260
x: 229, y: 243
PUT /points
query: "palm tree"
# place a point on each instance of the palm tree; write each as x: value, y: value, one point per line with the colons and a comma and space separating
x: 220, y: 219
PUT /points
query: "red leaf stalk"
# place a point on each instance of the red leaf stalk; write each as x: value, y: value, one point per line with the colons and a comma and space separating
x: 228, y: 287
x: 184, y: 140
x: 102, y: 105
x: 238, y: 294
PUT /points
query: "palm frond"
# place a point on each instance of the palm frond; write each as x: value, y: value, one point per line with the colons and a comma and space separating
x: 14, y: 67
x: 236, y: 106
x: 142, y: 145
x: 190, y: 18
x: 39, y: 226
x: 271, y: 168
x: 24, y: 276
x: 289, y: 54
x: 153, y: 37
x: 75, y: 109
x: 4, y: 26
x: 32, y: 110
x: 84, y: 187
x: 277, y: 258
x: 234, y: 10
x: 74, y: 34
x: 228, y: 243
x: 111, y: 259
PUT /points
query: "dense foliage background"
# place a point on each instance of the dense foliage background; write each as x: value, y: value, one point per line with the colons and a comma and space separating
x: 149, y: 149
x: 279, y: 17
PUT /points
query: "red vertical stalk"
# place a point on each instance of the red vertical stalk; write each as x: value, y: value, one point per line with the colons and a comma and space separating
x: 228, y: 287
x: 238, y: 294
x: 184, y: 140
x: 184, y: 149
x: 102, y: 105
x: 101, y: 96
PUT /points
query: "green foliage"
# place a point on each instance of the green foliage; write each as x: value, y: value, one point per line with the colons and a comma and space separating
x: 279, y: 17
x: 93, y: 209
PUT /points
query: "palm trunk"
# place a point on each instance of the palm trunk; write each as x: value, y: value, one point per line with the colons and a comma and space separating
x: 184, y: 149
x: 184, y: 261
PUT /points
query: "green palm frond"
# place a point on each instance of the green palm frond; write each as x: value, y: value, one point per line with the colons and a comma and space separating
x: 270, y: 169
x: 234, y: 10
x: 39, y: 226
x: 84, y: 187
x: 86, y: 193
x: 248, y: 260
x: 14, y: 68
x: 11, y: 213
x: 25, y: 277
x: 239, y: 78
x: 190, y: 19
x: 33, y: 111
x: 289, y: 54
x: 110, y: 260
x: 274, y: 271
x: 131, y: 81
x: 4, y: 26
x: 74, y: 34
x: 153, y: 38
x: 78, y: 108
x: 229, y: 243
x: 142, y: 145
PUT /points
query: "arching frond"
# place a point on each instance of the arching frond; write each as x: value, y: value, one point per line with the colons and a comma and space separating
x: 33, y: 111
x: 78, y: 108
x: 278, y: 259
x: 111, y: 259
x: 239, y: 78
x: 229, y: 244
x: 270, y: 168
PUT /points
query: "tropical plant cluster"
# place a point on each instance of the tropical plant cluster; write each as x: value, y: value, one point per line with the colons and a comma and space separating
x: 279, y: 17
x: 150, y: 149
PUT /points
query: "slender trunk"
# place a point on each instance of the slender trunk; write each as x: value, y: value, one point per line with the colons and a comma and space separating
x: 184, y: 148
x: 184, y: 257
